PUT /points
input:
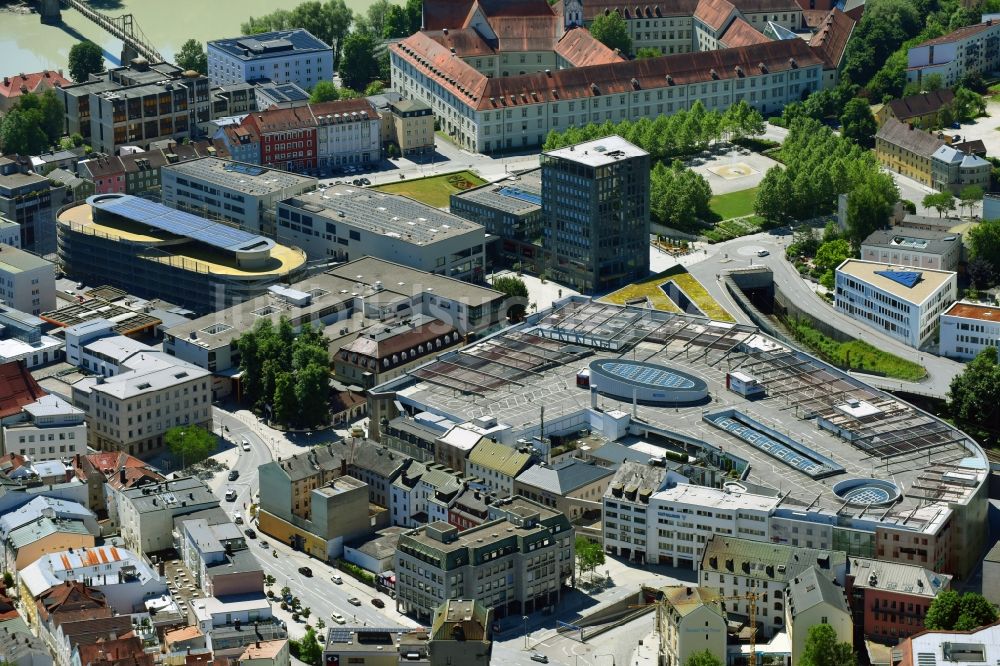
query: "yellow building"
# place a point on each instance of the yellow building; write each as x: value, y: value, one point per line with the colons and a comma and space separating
x: 45, y: 535
x: 691, y: 620
x: 906, y: 150
x: 413, y: 126
x: 918, y: 110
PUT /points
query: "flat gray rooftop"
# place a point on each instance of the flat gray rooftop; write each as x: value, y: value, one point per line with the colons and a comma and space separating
x: 246, y: 178
x: 512, y: 374
x: 387, y: 214
x: 518, y: 195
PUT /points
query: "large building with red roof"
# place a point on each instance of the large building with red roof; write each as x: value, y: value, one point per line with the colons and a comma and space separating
x: 501, y: 74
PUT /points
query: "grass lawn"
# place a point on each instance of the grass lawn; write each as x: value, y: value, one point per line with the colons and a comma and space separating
x: 729, y: 229
x: 733, y: 204
x: 434, y: 190
x: 856, y: 354
x: 650, y: 289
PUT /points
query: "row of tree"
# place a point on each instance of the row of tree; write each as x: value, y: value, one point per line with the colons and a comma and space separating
x: 681, y: 134
x: 678, y: 196
x: 819, y: 166
x: 286, y: 373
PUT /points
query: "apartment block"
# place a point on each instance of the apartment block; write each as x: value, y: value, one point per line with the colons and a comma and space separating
x: 147, y: 513
x: 916, y: 248
x: 928, y: 159
x: 515, y: 564
x: 692, y: 620
x: 47, y: 429
x: 902, y: 302
x: 139, y: 173
x: 596, y: 246
x: 242, y: 194
x: 30, y: 201
x: 967, y: 50
x: 283, y: 56
x: 967, y: 329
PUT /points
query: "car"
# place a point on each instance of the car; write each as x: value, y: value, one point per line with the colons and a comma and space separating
x: 354, y: 601
x: 288, y: 599
x: 378, y: 603
x: 956, y: 125
x: 246, y: 445
x: 238, y: 519
x: 234, y: 474
x: 230, y: 495
x: 250, y: 533
x: 306, y: 571
x: 70, y: 292
x: 79, y: 285
x: 264, y: 544
x: 540, y: 658
x: 365, y: 181
x: 356, y: 182
x: 337, y: 579
x: 762, y: 253
x: 338, y: 618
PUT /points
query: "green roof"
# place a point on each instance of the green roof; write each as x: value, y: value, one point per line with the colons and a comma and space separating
x: 499, y: 458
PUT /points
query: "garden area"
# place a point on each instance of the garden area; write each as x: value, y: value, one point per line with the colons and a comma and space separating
x: 434, y: 190
x: 733, y: 204
x: 651, y: 291
x: 854, y: 355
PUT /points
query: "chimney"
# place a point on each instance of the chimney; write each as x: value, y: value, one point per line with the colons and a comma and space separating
x: 121, y: 476
x: 343, y: 466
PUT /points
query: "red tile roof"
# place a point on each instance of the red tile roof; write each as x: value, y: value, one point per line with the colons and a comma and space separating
x: 466, y: 42
x: 310, y: 115
x: 70, y: 599
x: 17, y: 388
x: 813, y: 18
x: 477, y: 90
x: 452, y: 14
x: 769, y: 6
x: 955, y: 35
x: 15, y: 86
x: 741, y: 33
x: 914, y: 106
x: 830, y: 41
x: 580, y: 49
x: 113, y: 165
x: 653, y: 10
x: 714, y: 13
x: 526, y: 33
x: 119, y: 652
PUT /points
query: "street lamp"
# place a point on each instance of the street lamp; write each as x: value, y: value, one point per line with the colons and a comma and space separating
x: 525, y: 618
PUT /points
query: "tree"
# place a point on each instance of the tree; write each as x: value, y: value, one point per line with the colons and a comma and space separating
x: 942, y: 202
x: 858, y: 124
x: 339, y: 18
x: 324, y: 91
x: 968, y: 105
x: 974, y: 399
x: 284, y: 408
x: 647, y: 52
x: 970, y: 195
x: 358, y: 64
x: 85, y: 58
x: 703, y: 658
x: 774, y: 196
x: 611, y: 30
x: 742, y: 120
x: 950, y: 611
x: 869, y: 205
x: 377, y: 16
x: 589, y: 554
x: 309, y: 649
x: 312, y: 393
x: 192, y: 56
x: 804, y: 242
x: 980, y: 273
x: 190, y: 443
x: 19, y: 133
x: 397, y: 22
x: 374, y: 88
x: 415, y: 13
x: 984, y: 241
x: 832, y: 253
x: 823, y: 649
x: 516, y: 292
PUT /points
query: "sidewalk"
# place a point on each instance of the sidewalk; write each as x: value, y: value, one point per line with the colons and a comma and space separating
x: 647, y: 654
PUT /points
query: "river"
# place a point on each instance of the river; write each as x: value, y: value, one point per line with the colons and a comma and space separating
x: 28, y: 46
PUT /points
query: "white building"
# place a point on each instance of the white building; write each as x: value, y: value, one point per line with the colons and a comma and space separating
x: 626, y: 505
x: 10, y: 232
x: 107, y: 356
x: 244, y: 194
x: 423, y: 493
x: 126, y: 580
x: 683, y: 517
x: 80, y: 334
x: 147, y: 513
x: 27, y: 282
x: 282, y: 56
x: 974, y: 48
x: 979, y: 646
x: 132, y: 410
x: 901, y: 301
x: 919, y: 248
x: 22, y: 339
x: 814, y: 599
x: 969, y: 328
x: 48, y: 429
x: 344, y: 223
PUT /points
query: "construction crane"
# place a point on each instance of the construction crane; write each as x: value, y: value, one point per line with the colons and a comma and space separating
x: 751, y: 598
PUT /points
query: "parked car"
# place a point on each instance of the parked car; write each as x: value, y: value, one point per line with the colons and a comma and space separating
x: 337, y: 579
x: 306, y: 571
x: 956, y: 125
x: 264, y: 544
x: 238, y: 519
x: 354, y: 601
x: 365, y: 181
x: 378, y: 603
x: 250, y: 533
x: 338, y: 618
x: 540, y: 658
x: 230, y: 495
x: 234, y: 474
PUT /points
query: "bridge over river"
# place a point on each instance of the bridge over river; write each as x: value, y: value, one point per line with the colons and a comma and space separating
x: 121, y: 27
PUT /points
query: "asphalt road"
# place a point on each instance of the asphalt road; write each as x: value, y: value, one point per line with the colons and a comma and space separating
x: 318, y: 592
x: 742, y: 252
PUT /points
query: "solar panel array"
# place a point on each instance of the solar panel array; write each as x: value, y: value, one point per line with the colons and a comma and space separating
x: 518, y: 193
x: 180, y: 223
x: 906, y: 278
x: 650, y: 376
